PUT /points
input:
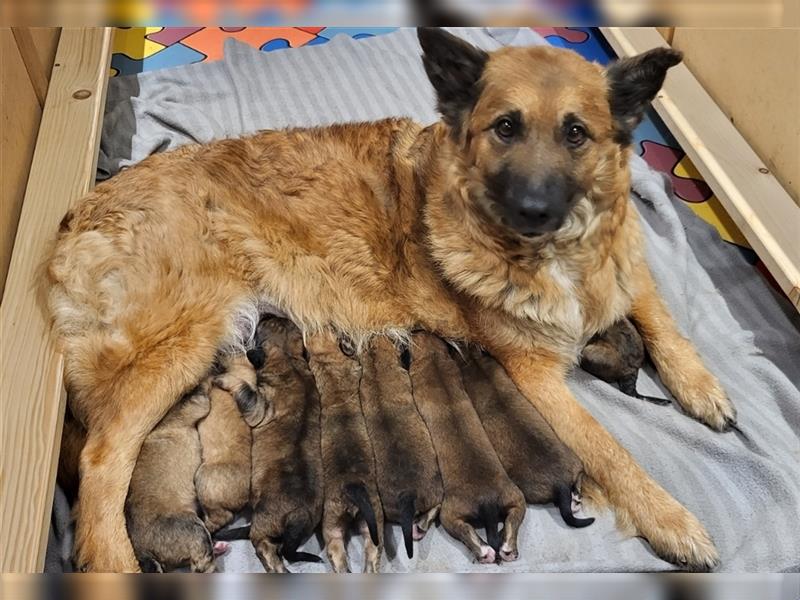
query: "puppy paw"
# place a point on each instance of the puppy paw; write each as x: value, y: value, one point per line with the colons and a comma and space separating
x: 418, y: 532
x: 221, y: 548
x: 508, y: 554
x: 487, y: 555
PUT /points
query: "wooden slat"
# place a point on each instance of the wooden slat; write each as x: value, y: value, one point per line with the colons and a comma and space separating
x: 33, y: 64
x: 755, y: 200
x: 20, y: 113
x: 31, y: 389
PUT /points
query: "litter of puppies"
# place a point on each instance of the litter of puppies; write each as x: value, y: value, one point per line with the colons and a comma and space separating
x: 316, y: 436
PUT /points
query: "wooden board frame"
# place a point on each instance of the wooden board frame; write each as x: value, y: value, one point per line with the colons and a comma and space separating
x: 754, y: 199
x: 31, y: 388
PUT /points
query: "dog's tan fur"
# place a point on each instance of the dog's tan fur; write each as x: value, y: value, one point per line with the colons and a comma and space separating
x: 223, y: 479
x: 407, y: 473
x: 287, y: 486
x: 348, y: 462
x: 367, y: 228
x: 476, y: 487
x: 163, y: 523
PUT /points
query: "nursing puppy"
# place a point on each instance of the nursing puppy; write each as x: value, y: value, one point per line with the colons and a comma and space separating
x: 163, y: 524
x: 348, y: 462
x: 508, y: 223
x: 223, y: 479
x: 407, y: 473
x: 531, y: 453
x: 615, y: 356
x: 287, y: 483
x: 477, y: 489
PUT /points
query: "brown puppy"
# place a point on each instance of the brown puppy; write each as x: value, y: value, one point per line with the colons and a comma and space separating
x: 507, y: 223
x: 409, y: 481
x: 532, y: 455
x: 287, y: 492
x: 615, y: 356
x: 348, y: 462
x: 163, y: 524
x: 223, y: 479
x: 476, y: 487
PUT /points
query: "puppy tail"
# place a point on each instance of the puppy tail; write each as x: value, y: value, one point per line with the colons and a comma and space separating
x: 490, y: 516
x: 234, y: 533
x: 358, y: 495
x: 563, y: 493
x: 408, y: 501
x: 292, y: 538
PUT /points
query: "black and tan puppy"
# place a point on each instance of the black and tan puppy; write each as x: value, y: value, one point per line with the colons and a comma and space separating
x: 532, y: 455
x: 348, y: 462
x: 161, y: 508
x: 615, y: 356
x: 477, y: 489
x: 409, y: 481
x: 287, y: 492
x: 223, y: 479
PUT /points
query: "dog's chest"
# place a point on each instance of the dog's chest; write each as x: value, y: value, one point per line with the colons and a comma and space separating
x: 571, y: 304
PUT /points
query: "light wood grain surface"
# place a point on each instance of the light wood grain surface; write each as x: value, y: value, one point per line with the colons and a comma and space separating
x: 31, y: 389
x: 20, y: 113
x: 758, y: 204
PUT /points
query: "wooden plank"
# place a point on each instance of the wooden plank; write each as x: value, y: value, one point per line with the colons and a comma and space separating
x: 31, y: 388
x: 33, y: 64
x: 45, y: 39
x: 19, y: 123
x: 750, y: 193
x: 745, y: 72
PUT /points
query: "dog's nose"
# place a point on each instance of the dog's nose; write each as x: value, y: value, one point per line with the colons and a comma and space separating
x: 533, y: 210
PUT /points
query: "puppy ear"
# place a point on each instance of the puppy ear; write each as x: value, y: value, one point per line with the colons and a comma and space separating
x: 633, y: 83
x: 454, y: 67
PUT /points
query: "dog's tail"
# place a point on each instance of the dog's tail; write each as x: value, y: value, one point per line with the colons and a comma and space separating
x: 358, y: 495
x: 490, y: 516
x: 292, y: 538
x: 408, y: 501
x: 234, y: 533
x: 563, y: 493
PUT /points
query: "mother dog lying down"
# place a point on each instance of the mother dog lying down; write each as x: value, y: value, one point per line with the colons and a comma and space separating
x: 507, y: 224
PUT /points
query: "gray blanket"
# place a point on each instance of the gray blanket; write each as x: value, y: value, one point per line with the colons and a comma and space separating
x: 746, y: 490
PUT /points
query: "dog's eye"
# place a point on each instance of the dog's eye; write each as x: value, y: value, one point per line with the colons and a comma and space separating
x: 576, y: 135
x: 505, y: 128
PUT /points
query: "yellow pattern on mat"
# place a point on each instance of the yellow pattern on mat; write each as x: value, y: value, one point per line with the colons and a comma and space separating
x: 133, y: 43
x: 711, y: 211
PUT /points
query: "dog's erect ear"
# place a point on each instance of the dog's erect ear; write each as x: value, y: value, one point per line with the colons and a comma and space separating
x: 633, y: 83
x: 454, y: 67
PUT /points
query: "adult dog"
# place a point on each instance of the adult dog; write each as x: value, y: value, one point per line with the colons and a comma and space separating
x: 507, y: 223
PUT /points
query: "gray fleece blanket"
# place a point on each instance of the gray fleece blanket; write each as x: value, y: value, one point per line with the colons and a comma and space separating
x: 745, y: 489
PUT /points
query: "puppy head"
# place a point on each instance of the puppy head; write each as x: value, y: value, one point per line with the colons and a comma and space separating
x: 539, y: 128
x: 275, y: 334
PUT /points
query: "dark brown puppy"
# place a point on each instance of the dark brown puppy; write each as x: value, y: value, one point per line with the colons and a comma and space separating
x: 615, y: 356
x: 161, y: 509
x: 409, y: 481
x: 476, y: 487
x: 287, y: 492
x: 532, y: 455
x: 348, y: 462
x: 223, y: 479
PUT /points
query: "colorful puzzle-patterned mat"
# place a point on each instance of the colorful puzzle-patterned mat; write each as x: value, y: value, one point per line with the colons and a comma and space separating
x: 138, y: 49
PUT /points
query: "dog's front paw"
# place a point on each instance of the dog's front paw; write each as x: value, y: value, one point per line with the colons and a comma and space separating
x: 703, y: 398
x: 86, y: 561
x: 678, y: 537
